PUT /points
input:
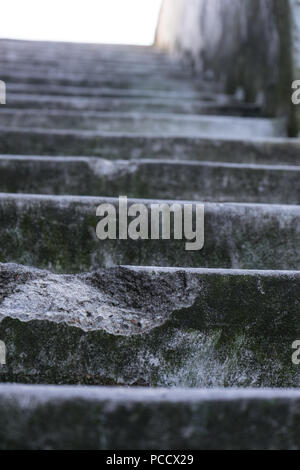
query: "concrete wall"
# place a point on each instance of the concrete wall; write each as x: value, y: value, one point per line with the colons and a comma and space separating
x: 248, y: 44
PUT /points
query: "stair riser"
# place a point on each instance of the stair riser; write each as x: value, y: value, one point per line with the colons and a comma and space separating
x: 150, y: 179
x: 85, y: 68
x: 119, y: 81
x: 146, y: 123
x: 122, y: 146
x: 204, y: 329
x: 60, y: 233
x: 204, y: 95
x: 146, y: 105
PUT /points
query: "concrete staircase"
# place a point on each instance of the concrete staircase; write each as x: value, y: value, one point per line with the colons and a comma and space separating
x: 84, y: 124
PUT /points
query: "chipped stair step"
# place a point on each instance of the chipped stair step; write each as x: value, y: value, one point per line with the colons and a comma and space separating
x: 59, y: 233
x: 151, y: 326
x: 164, y: 179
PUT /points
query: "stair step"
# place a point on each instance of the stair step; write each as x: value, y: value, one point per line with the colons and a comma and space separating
x: 44, y: 51
x: 108, y: 68
x: 148, y: 123
x: 125, y: 146
x: 77, y: 418
x: 125, y: 80
x: 163, y: 179
x: 205, y: 95
x: 59, y: 233
x: 151, y: 326
x: 28, y: 108
x: 193, y: 321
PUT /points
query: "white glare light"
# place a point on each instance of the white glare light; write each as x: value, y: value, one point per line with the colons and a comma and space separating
x: 106, y: 21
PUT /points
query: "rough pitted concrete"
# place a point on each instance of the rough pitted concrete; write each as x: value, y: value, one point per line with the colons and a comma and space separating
x: 59, y: 233
x: 125, y: 146
x: 165, y: 179
x: 106, y: 418
x: 197, y: 328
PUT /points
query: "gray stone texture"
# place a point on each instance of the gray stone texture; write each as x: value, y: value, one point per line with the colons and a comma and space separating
x: 85, y: 123
x: 126, y: 419
x: 150, y: 326
x: 251, y: 45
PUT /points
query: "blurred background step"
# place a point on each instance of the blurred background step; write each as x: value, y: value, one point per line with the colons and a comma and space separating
x: 124, y: 146
x: 16, y: 50
x: 26, y: 106
x: 148, y: 123
x: 205, y: 95
x: 98, y: 69
x: 125, y: 80
x: 163, y: 179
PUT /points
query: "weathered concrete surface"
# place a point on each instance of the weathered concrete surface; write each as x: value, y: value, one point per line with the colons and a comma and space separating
x: 29, y: 56
x: 136, y: 325
x: 105, y: 418
x: 50, y: 52
x: 207, y: 92
x: 253, y: 45
x: 163, y: 179
x: 125, y: 80
x: 146, y: 123
x: 196, y: 328
x: 103, y: 72
x: 223, y: 105
x: 125, y: 146
x: 147, y: 62
x: 59, y: 233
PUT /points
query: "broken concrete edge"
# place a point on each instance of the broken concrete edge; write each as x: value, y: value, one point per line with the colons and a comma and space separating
x: 220, y: 271
x: 165, y: 270
x: 62, y: 417
x: 156, y: 327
